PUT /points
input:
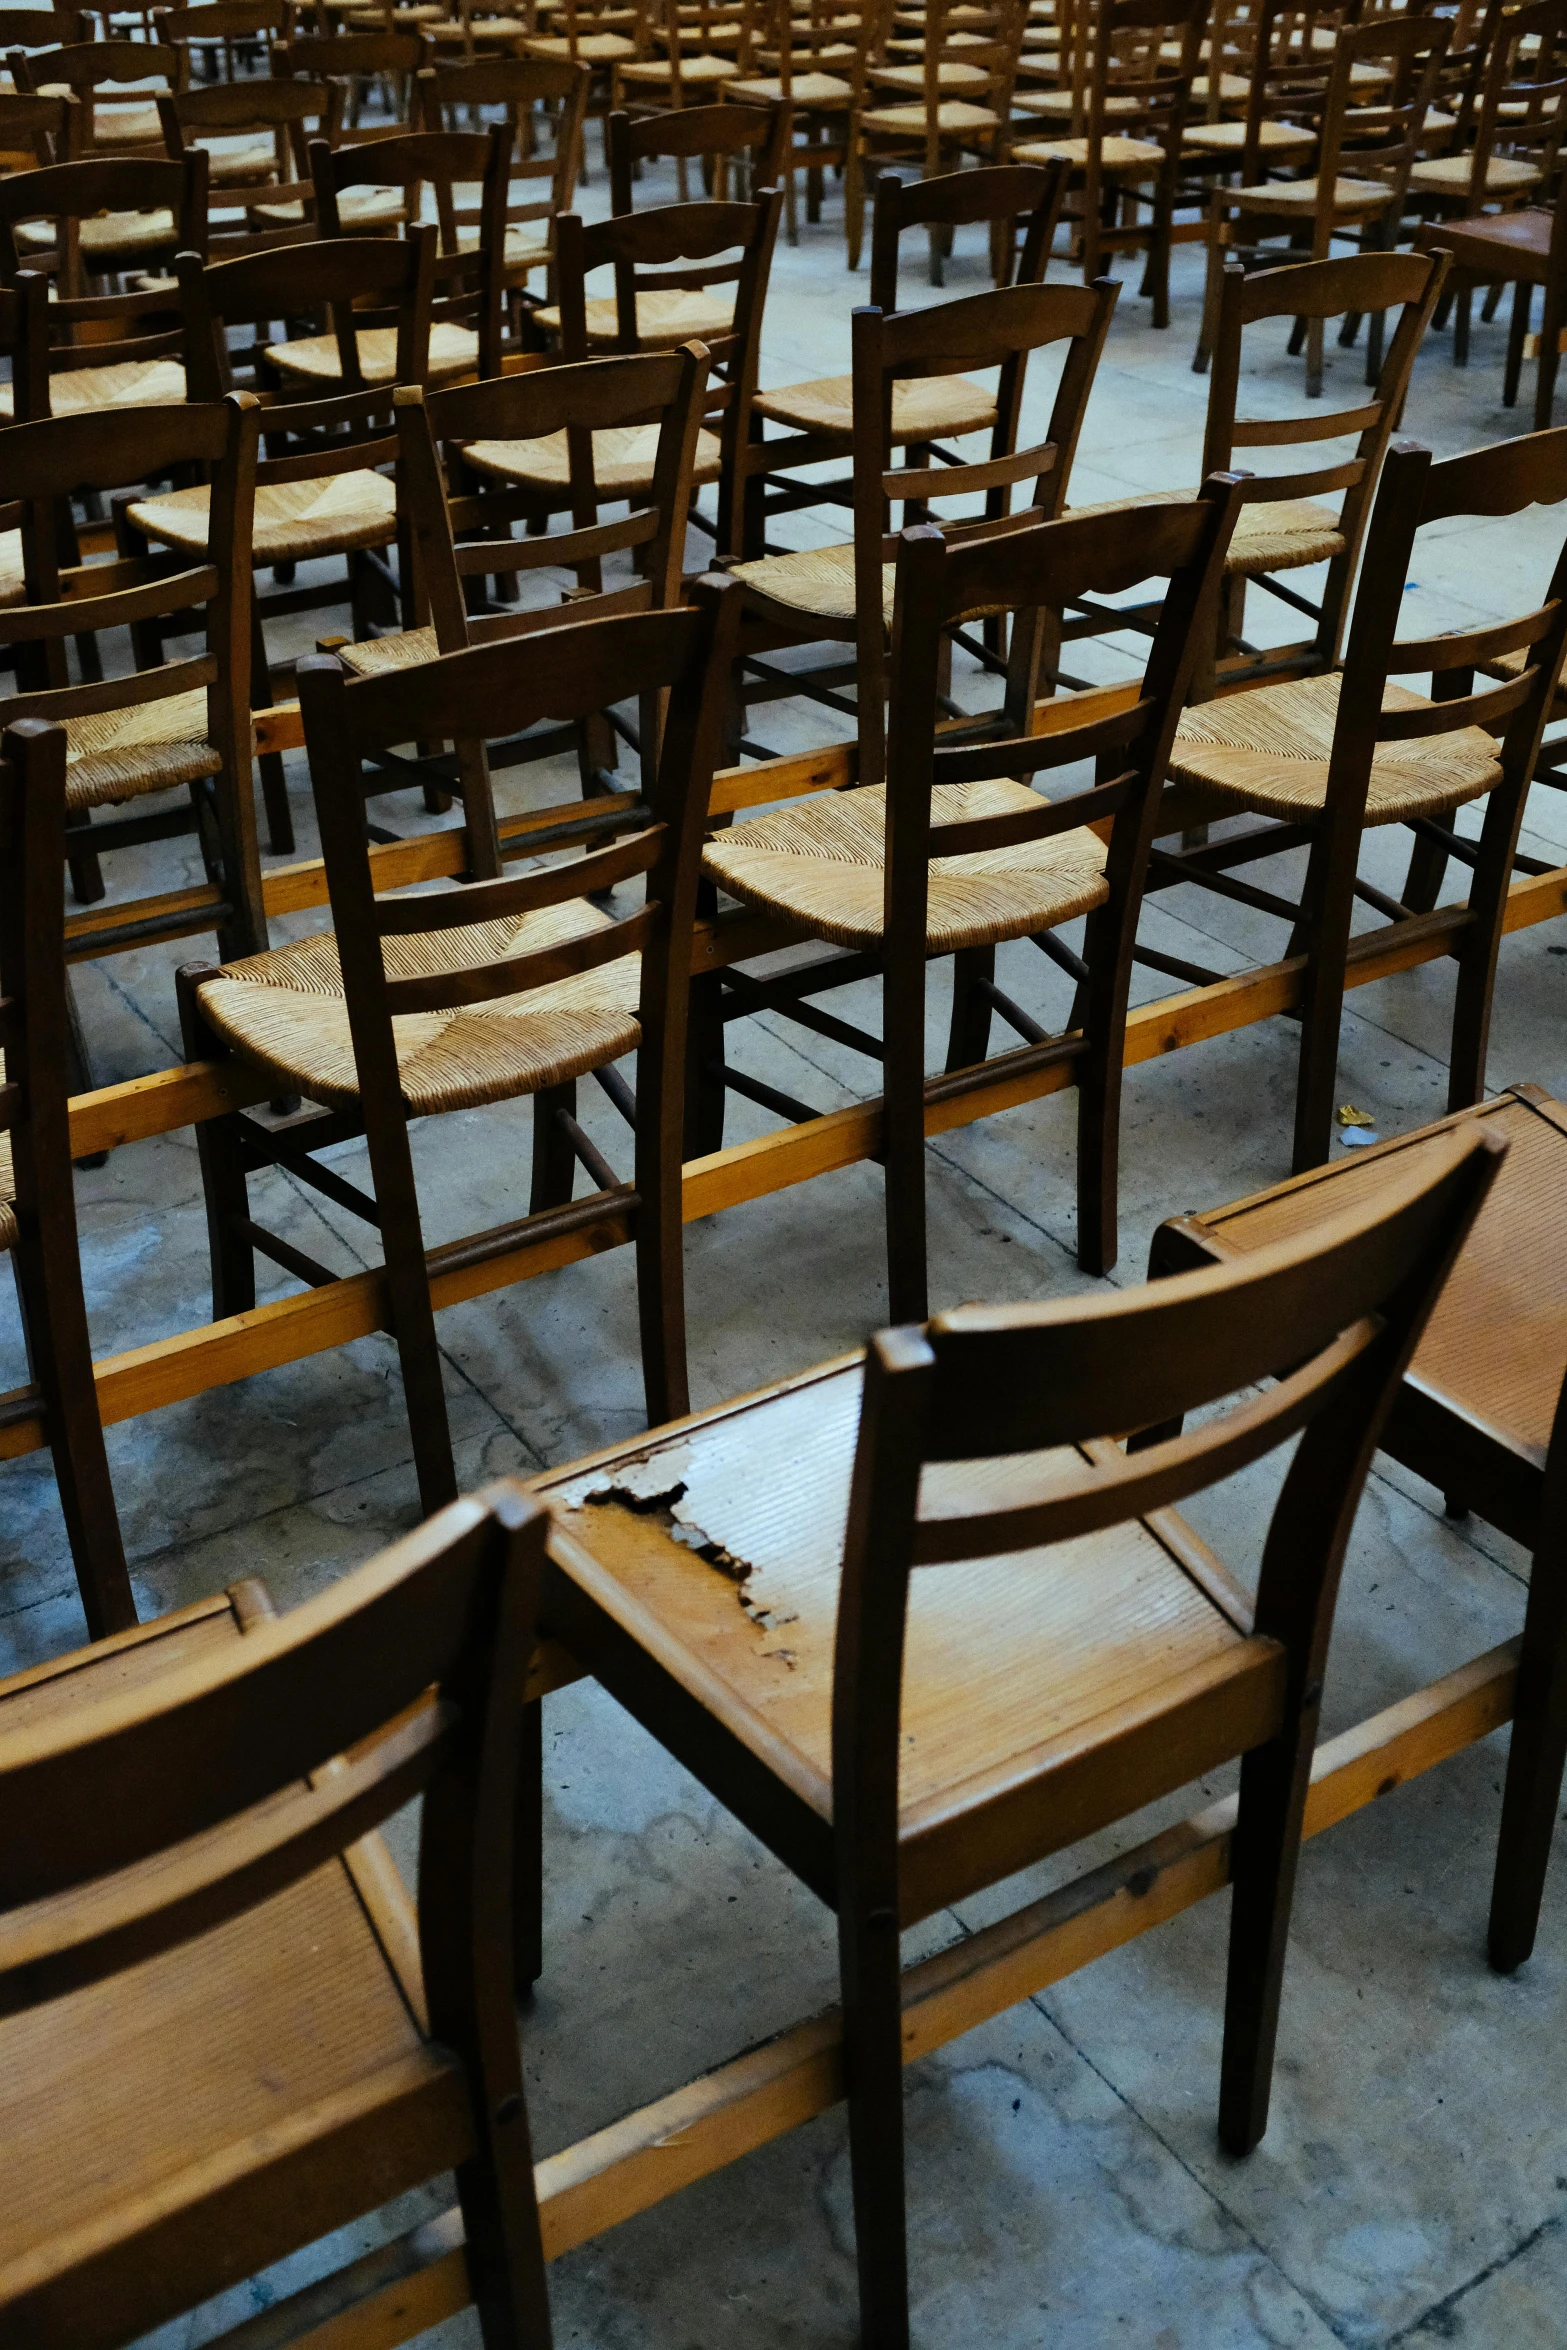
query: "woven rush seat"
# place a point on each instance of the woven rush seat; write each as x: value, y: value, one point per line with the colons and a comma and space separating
x: 1058, y: 103
x: 525, y: 248
x: 664, y: 320
x: 121, y: 754
x: 454, y: 350
x: 1283, y: 535
x: 1234, y: 89
x: 624, y: 456
x: 951, y: 74
x: 953, y: 114
x: 1512, y: 665
x: 1131, y: 155
x: 591, y: 49
x: 124, y: 126
x: 358, y: 208
x: 1269, y: 749
x: 821, y: 861
x: 294, y: 519
x: 817, y: 580
x: 405, y: 648
x: 13, y: 574
x: 285, y: 1012
x: 806, y: 89
x: 1229, y: 138
x: 1449, y: 175
x: 121, y: 234
x: 1286, y: 196
x: 142, y: 383
x: 924, y: 408
x: 227, y: 166
x: 657, y: 70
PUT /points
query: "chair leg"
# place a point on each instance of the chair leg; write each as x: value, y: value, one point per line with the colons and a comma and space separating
x: 1461, y: 314
x: 1314, y: 330
x: 1517, y: 336
x: 1329, y: 896
x: 1265, y: 1851
x: 968, y: 1039
x: 1478, y: 948
x: 528, y: 1852
x: 903, y: 1134
x: 220, y: 1156
x: 87, y: 882
x: 1427, y: 871
x: 554, y: 1161
x: 274, y: 789
x: 868, y: 1957
x: 1554, y: 316
x: 1532, y: 1798
x: 1207, y: 333
x: 413, y: 1312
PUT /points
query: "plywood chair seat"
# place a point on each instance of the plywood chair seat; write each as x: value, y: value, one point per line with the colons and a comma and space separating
x: 822, y: 861
x: 285, y: 1012
x: 117, y: 236
x: 923, y: 408
x: 664, y: 320
x: 623, y: 460
x: 1450, y: 175
x: 953, y: 114
x: 1229, y: 138
x: 295, y: 520
x: 1133, y: 158
x: 120, y: 754
x: 1351, y: 198
x: 141, y: 383
x: 824, y: 91
x: 368, y: 208
x: 315, y: 359
x: 1123, y: 1643
x: 1268, y: 750
x: 1283, y: 535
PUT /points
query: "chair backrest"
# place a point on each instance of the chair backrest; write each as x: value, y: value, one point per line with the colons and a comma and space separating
x: 101, y: 330
x: 685, y: 653
x: 40, y: 28
x: 36, y: 131
x: 408, y: 1667
x: 533, y: 93
x: 993, y: 193
x: 1337, y: 1312
x: 44, y: 464
x: 471, y: 283
x: 718, y: 132
x: 1523, y: 97
x: 353, y: 59
x: 256, y: 23
x: 283, y: 109
x: 656, y: 394
x: 819, y: 40
x: 1374, y: 135
x: 1506, y: 478
x: 94, y: 70
x: 1365, y: 283
x: 988, y: 39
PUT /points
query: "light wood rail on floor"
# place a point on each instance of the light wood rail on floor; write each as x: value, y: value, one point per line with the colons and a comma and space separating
x: 190, y: 1362
x: 391, y: 2295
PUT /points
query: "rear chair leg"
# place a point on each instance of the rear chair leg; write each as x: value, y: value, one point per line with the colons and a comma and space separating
x: 220, y: 1155
x: 868, y: 1957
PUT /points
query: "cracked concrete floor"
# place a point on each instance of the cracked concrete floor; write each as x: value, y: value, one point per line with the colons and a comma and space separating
x: 1064, y: 2181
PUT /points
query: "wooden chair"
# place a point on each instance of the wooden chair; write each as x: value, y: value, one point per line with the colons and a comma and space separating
x: 94, y: 218
x: 457, y: 523
x: 37, y: 1203
x: 1481, y: 1414
x: 216, y: 34
x: 476, y: 34
x: 909, y: 1739
x: 1323, y: 758
x: 319, y: 491
x: 35, y: 132
x: 1288, y: 73
x: 1283, y: 527
x: 255, y: 135
x: 1527, y: 248
x: 665, y: 276
x: 705, y: 45
x: 529, y: 90
x: 813, y: 65
x: 599, y: 34
x: 956, y: 854
x: 960, y: 96
x: 170, y: 724
x: 754, y: 137
x: 195, y: 1906
x: 357, y: 60
x: 521, y: 986
x: 1126, y: 155
x: 926, y: 409
x: 1365, y: 154
x: 844, y: 593
x: 37, y: 28
x: 90, y: 68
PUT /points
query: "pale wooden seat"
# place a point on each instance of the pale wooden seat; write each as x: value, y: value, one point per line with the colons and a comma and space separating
x: 286, y: 1012
x: 138, y: 383
x: 316, y: 359
x: 822, y: 861
x: 664, y: 320
x: 1270, y: 750
x: 925, y: 408
x: 295, y: 520
x: 623, y: 460
x: 1452, y: 175
x: 1281, y: 534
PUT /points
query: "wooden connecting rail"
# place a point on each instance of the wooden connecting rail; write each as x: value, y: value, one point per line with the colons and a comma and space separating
x: 391, y: 2295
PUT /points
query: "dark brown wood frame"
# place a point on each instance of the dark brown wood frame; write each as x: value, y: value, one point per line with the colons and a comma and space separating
x: 716, y: 133
x: 523, y: 86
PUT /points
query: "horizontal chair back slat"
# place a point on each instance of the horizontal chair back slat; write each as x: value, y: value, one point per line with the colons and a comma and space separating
x: 494, y: 901
x: 515, y: 974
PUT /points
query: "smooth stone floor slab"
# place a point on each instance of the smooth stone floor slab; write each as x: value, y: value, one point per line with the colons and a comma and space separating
x: 1065, y: 2184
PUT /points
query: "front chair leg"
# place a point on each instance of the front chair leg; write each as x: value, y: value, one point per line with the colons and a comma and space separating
x: 1323, y: 933
x: 1265, y: 1851
x: 1532, y: 1798
x: 528, y: 1852
x: 868, y: 1957
x: 220, y: 1155
x: 554, y: 1160
x: 968, y: 1039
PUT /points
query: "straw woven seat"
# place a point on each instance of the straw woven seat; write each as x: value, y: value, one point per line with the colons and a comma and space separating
x: 806, y: 89
x: 8, y: 1229
x: 623, y: 460
x: 143, y: 383
x: 1349, y: 196
x: 119, y: 754
x: 1282, y: 536
x: 406, y: 648
x: 1234, y: 89
x: 126, y: 126
x: 227, y: 166
x: 951, y: 74
x: 591, y: 49
x: 285, y: 1011
x: 122, y: 235
x: 924, y: 408
x: 294, y: 519
x: 820, y: 861
x: 1449, y: 175
x: 953, y: 114
x: 664, y: 320
x: 1268, y: 750
x: 525, y: 248
x: 454, y: 350
x: 1115, y: 155
x: 1229, y: 138
x: 818, y: 580
x: 1058, y: 104
x: 655, y: 71
x: 358, y: 208
x: 13, y: 575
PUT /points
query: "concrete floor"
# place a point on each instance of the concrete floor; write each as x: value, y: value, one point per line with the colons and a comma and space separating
x: 1064, y: 2181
